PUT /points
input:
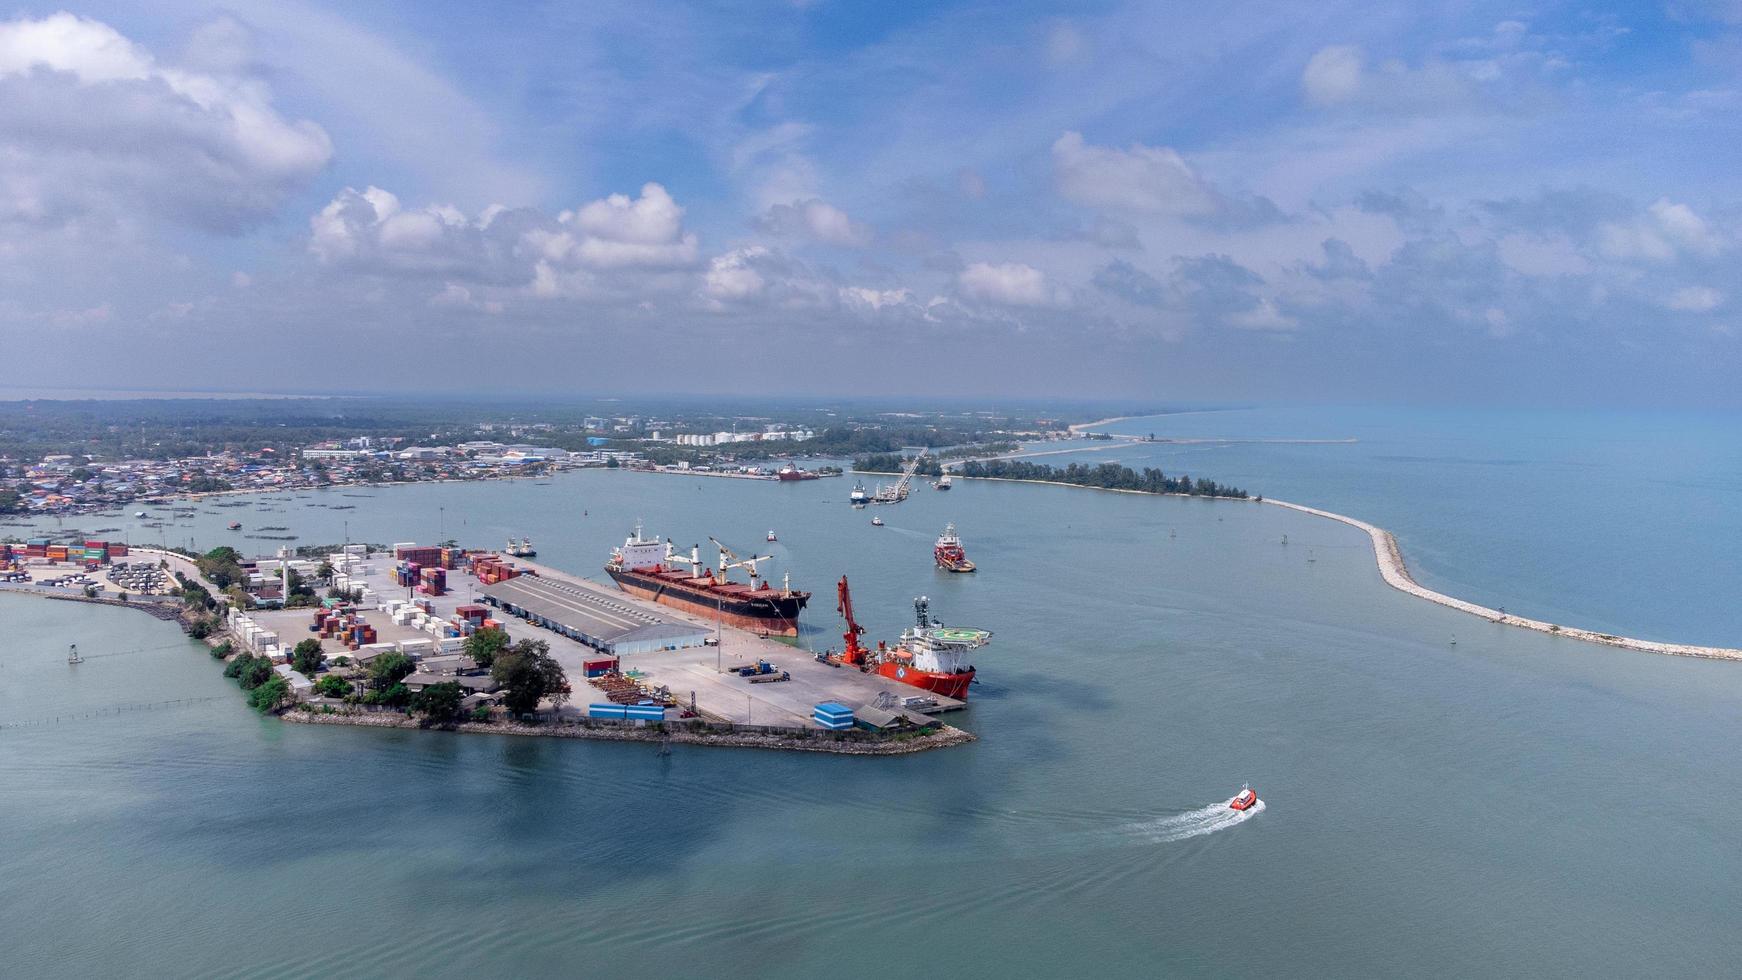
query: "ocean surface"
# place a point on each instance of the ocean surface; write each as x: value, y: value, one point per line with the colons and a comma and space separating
x: 1442, y: 796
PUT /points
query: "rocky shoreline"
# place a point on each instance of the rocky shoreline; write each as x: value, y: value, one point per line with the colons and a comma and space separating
x: 945, y: 737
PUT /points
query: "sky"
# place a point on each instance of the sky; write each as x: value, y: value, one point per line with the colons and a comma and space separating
x: 1451, y: 203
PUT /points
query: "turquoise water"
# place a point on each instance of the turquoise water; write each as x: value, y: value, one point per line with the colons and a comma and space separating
x: 1508, y: 804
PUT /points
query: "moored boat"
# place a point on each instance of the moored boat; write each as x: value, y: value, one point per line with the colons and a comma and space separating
x: 929, y: 654
x: 653, y: 569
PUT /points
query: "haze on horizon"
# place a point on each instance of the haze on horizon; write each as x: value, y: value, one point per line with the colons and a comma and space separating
x: 1472, y: 203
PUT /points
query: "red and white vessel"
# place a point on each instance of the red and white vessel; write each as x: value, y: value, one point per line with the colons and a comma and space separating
x: 929, y: 654
x: 948, y: 552
x: 1246, y: 799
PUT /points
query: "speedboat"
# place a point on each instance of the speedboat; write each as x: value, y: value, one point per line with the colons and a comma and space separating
x: 876, y: 522
x: 1246, y: 799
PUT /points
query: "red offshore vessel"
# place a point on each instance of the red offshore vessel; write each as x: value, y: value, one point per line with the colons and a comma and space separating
x: 929, y: 655
x: 650, y: 569
x: 948, y: 552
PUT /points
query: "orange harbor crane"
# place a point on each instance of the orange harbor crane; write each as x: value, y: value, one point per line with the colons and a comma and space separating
x: 854, y: 654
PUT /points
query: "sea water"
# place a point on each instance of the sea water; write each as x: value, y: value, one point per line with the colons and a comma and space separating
x: 1510, y: 803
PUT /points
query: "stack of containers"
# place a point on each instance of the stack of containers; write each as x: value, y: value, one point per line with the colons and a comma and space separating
x: 58, y: 552
x: 491, y: 569
x: 117, y: 550
x: 36, y: 548
x: 433, y: 581
x: 600, y: 667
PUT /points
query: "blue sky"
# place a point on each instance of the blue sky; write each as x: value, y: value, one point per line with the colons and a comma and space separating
x: 1472, y: 202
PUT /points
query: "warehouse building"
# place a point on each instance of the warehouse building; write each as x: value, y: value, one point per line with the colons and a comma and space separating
x: 602, y: 620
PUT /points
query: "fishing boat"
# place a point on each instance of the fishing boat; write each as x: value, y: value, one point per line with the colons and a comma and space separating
x: 1246, y: 799
x: 235, y: 525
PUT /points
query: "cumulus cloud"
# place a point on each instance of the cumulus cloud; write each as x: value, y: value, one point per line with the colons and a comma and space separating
x: 732, y: 277
x: 1152, y: 179
x: 93, y: 124
x: 1008, y: 284
x: 816, y: 220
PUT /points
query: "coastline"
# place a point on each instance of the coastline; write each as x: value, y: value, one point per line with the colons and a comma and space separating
x: 945, y: 737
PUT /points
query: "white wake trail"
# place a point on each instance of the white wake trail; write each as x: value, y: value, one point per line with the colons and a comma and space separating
x: 1193, y: 823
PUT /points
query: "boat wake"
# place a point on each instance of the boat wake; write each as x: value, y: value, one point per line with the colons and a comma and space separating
x: 1193, y: 823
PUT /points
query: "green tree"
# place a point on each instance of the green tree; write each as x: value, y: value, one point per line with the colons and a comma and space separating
x: 307, y: 656
x: 257, y: 672
x: 234, y: 668
x: 389, y: 669
x: 439, y: 702
x: 530, y: 674
x: 332, y: 686
x: 395, y: 695
x: 270, y: 694
x: 484, y: 645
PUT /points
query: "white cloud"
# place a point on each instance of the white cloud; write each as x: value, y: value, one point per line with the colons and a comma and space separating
x: 1143, y: 178
x: 617, y: 232
x: 91, y: 123
x: 1695, y: 299
x: 1333, y: 75
x: 732, y: 277
x: 817, y: 220
x: 1008, y: 284
x: 1664, y: 231
x: 1064, y: 44
x: 875, y: 299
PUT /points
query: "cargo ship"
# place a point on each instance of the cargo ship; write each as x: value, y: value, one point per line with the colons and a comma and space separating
x: 653, y: 569
x: 790, y: 472
x: 948, y: 552
x: 929, y: 654
x: 943, y: 482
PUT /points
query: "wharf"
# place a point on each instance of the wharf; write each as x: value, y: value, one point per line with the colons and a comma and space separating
x: 723, y: 695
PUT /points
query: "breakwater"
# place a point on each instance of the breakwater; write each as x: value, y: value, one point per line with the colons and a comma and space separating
x: 1396, y: 574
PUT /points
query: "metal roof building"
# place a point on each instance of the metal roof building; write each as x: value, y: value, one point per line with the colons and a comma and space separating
x: 601, y: 620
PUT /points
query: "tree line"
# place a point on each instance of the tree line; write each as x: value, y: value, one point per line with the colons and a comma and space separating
x: 1106, y: 476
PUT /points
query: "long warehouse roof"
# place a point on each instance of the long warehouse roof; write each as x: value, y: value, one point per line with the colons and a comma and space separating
x: 599, y: 615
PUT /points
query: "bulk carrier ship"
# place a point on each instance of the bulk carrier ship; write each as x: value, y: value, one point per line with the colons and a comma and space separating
x: 652, y: 569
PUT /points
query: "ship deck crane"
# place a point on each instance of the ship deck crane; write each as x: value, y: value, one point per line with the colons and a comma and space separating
x: 730, y: 560
x: 854, y: 654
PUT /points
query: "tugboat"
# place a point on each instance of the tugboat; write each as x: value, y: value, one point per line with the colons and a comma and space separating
x: 876, y: 522
x: 771, y: 536
x: 1246, y: 799
x: 948, y: 552
x: 521, y: 549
